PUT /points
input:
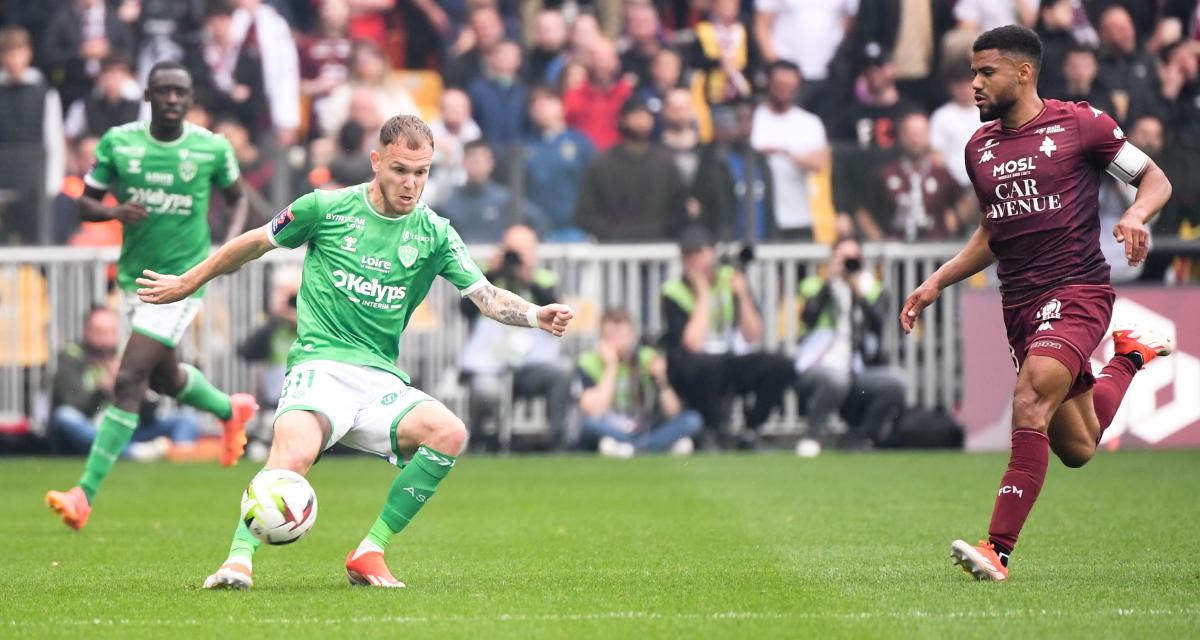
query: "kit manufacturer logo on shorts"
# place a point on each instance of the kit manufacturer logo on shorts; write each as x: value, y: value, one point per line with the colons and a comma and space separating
x: 407, y: 254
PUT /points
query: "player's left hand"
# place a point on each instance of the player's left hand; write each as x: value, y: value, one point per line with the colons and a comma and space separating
x: 158, y: 288
x: 1131, y: 231
x: 554, y: 318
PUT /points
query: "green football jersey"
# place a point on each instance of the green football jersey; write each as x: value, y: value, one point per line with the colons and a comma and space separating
x: 365, y: 274
x: 173, y: 181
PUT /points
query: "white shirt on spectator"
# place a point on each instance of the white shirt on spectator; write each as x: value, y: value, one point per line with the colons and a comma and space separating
x: 281, y: 63
x: 988, y: 14
x: 796, y: 132
x: 808, y: 32
x: 448, y: 170
x: 950, y: 127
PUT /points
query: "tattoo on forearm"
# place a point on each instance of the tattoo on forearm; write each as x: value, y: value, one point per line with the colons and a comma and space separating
x: 501, y: 305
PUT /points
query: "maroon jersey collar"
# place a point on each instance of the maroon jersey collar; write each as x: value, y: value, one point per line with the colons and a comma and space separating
x: 1004, y: 129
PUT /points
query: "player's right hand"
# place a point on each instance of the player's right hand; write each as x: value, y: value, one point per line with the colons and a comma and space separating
x: 158, y: 288
x: 129, y: 212
x: 921, y: 297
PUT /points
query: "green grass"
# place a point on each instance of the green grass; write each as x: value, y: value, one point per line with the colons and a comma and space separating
x: 713, y: 546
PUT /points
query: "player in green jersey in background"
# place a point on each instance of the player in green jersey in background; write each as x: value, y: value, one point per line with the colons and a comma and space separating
x: 374, y: 250
x: 161, y: 173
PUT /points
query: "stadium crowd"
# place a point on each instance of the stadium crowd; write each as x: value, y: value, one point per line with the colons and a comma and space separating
x: 611, y: 121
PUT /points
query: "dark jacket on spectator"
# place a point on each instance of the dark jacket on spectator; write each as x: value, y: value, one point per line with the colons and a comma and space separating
x: 630, y: 197
x: 60, y: 50
x: 554, y: 169
x: 481, y: 212
x: 720, y: 189
x: 499, y: 110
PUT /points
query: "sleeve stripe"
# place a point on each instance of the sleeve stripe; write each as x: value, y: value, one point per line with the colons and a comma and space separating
x: 1129, y: 163
x: 476, y: 286
x: 92, y: 182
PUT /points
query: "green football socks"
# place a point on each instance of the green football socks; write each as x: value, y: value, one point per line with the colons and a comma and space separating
x: 116, y: 428
x: 244, y: 545
x: 410, y: 491
x: 200, y: 393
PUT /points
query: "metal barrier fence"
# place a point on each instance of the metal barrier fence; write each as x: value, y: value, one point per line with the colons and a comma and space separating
x: 45, y: 292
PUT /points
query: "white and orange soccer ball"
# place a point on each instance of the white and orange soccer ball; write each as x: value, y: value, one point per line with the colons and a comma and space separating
x: 279, y: 506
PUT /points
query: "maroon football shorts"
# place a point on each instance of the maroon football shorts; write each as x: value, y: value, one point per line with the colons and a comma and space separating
x: 1066, y: 324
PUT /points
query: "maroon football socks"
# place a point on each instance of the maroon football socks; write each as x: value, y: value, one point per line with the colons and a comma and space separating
x: 1110, y: 387
x: 1019, y: 488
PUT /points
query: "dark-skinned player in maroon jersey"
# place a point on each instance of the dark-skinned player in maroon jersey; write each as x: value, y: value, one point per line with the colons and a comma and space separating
x: 1036, y: 167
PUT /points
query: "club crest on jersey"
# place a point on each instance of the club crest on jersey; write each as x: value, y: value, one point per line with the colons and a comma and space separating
x: 1048, y: 147
x: 408, y: 255
x: 187, y: 170
x: 282, y: 220
x: 1052, y: 310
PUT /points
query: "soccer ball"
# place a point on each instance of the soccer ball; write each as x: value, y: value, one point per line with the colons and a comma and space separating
x: 279, y: 506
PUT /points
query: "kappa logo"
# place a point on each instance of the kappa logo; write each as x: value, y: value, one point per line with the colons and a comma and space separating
x: 1118, y: 133
x: 349, y: 244
x: 408, y: 255
x: 1048, y: 147
x: 1045, y: 326
x: 987, y: 156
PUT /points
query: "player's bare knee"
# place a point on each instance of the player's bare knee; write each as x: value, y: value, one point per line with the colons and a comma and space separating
x: 129, y: 386
x: 1031, y: 409
x: 447, y: 434
x: 292, y: 456
x: 1076, y: 454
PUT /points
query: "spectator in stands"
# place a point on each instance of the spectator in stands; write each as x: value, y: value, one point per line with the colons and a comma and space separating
x: 499, y: 98
x: 806, y: 33
x: 913, y: 198
x: 556, y: 157
x: 452, y: 131
x: 1080, y: 84
x: 866, y: 128
x: 481, y: 209
x: 914, y: 31
x: 1176, y: 101
x: 977, y: 16
x: 65, y: 210
x: 712, y: 327
x: 257, y: 168
x: 499, y: 360
x: 228, y: 79
x: 724, y: 54
x: 793, y: 140
x: 32, y: 118
x: 643, y: 39
x: 352, y: 163
x: 681, y: 137
x: 116, y: 99
x: 325, y: 54
x: 369, y: 71
x: 593, y: 106
x: 77, y: 40
x: 632, y: 192
x: 269, y: 343
x: 870, y: 121
x: 720, y: 185
x: 953, y: 124
x: 83, y: 385
x: 258, y: 28
x: 839, y: 360
x: 548, y: 55
x: 1126, y: 68
x: 1056, y: 19
x: 485, y: 29
x: 627, y: 403
x: 160, y: 29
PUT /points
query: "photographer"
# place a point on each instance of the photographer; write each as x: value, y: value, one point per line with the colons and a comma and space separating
x: 839, y: 361
x: 712, y: 327
x: 494, y: 351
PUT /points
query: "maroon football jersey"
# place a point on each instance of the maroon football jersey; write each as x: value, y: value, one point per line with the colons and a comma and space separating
x: 1038, y: 187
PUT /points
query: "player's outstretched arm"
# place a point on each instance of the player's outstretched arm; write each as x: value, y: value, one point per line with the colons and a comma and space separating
x: 972, y: 259
x: 509, y: 308
x: 158, y: 288
x: 1153, y: 192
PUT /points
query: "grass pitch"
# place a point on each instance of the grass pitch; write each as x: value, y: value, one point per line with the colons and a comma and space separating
x: 713, y: 546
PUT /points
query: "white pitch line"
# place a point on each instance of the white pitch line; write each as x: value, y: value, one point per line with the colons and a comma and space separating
x: 912, y: 614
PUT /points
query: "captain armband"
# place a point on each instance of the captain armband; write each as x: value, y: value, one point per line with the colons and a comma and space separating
x: 1129, y: 164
